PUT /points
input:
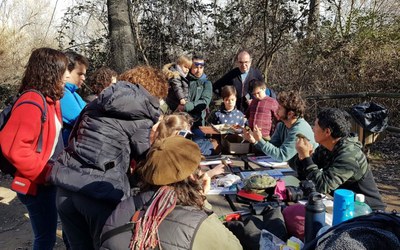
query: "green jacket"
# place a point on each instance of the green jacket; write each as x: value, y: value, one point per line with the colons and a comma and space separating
x: 200, y: 94
x: 346, y: 166
x: 212, y: 234
x: 282, y: 146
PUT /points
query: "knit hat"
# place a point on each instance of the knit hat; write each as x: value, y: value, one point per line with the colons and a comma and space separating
x: 170, y: 160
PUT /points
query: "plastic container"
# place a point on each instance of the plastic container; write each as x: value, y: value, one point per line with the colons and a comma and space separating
x: 315, y: 216
x: 360, y: 207
x: 343, y: 205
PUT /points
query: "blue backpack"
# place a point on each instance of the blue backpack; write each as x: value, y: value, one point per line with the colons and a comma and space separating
x: 5, y: 166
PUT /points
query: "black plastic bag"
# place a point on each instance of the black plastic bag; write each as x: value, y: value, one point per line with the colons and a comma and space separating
x: 371, y: 116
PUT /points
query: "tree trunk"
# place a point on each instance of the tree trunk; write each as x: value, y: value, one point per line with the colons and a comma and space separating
x: 123, y: 53
x: 313, y: 17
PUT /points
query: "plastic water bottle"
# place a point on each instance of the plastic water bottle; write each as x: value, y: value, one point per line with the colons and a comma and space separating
x: 360, y: 207
x: 315, y: 216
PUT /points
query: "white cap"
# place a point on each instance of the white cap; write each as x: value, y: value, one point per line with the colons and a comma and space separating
x: 360, y: 198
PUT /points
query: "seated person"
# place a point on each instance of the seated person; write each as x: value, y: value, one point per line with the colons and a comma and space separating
x: 174, y: 191
x: 282, y: 146
x: 179, y: 124
x: 339, y: 161
x: 262, y: 110
x: 227, y: 114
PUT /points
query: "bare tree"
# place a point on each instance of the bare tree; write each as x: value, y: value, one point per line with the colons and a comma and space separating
x: 123, y: 52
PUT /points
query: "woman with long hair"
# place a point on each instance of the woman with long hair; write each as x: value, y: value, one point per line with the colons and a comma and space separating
x: 29, y: 139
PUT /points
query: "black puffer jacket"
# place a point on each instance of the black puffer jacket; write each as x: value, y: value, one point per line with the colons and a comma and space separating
x: 110, y: 132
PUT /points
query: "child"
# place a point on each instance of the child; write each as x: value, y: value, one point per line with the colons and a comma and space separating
x: 227, y: 114
x: 262, y: 110
x: 178, y: 90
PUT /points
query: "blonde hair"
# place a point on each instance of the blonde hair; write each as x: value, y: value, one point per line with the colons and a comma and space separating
x: 170, y: 124
x: 184, y: 60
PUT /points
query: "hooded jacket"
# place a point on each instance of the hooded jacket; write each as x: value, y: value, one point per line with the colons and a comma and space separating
x: 111, y: 132
x: 178, y: 86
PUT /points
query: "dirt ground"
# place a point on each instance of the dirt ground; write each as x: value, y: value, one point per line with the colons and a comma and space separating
x: 16, y: 233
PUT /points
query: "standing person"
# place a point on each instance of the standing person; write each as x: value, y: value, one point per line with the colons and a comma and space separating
x: 262, y: 111
x: 92, y: 174
x: 72, y: 103
x: 241, y: 78
x: 200, y: 92
x: 175, y: 215
x: 99, y: 80
x: 178, y: 91
x: 282, y: 146
x: 227, y: 114
x: 339, y: 161
x: 46, y: 72
x: 200, y: 95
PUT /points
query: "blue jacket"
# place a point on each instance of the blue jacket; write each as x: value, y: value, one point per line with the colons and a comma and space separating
x: 71, y: 106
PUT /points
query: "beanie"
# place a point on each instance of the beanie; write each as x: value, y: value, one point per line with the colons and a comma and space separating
x: 170, y: 160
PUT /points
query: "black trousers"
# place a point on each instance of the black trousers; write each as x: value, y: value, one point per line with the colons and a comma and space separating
x: 82, y: 218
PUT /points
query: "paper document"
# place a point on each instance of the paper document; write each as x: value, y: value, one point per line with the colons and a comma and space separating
x: 267, y: 161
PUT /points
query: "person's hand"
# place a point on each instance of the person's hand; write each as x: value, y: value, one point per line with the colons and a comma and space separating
x: 248, y: 136
x: 217, y: 170
x: 304, y: 148
x: 206, y: 183
x: 182, y: 101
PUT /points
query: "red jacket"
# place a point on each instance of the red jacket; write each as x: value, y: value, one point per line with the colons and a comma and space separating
x: 19, y: 137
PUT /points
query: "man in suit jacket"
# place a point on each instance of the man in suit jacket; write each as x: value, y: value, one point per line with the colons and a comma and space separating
x: 241, y: 77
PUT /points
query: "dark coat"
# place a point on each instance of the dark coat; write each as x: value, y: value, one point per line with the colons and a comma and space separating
x: 111, y: 131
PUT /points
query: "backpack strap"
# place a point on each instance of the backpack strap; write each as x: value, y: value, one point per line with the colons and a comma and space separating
x: 129, y: 226
x: 43, y: 117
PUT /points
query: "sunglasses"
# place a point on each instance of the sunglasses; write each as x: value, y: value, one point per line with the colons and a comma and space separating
x: 199, y: 64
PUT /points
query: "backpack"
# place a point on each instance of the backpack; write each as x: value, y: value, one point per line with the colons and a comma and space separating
x: 5, y: 166
x: 377, y: 230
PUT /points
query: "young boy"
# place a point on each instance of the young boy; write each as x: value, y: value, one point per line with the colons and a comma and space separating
x: 228, y: 114
x: 262, y: 110
x: 178, y: 91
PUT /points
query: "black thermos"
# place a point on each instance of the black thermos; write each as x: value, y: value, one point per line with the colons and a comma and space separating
x: 315, y: 216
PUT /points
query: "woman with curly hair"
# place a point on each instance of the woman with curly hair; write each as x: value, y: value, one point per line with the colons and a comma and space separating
x: 28, y: 141
x: 92, y: 173
x: 170, y: 212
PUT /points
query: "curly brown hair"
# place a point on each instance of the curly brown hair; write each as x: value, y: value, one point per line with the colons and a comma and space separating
x: 153, y: 80
x: 292, y: 101
x: 101, y: 79
x: 44, y: 72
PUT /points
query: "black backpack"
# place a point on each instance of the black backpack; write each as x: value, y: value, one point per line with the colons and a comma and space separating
x: 5, y: 166
x: 371, y: 231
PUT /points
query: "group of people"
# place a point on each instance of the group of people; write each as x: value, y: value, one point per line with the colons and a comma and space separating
x: 99, y: 158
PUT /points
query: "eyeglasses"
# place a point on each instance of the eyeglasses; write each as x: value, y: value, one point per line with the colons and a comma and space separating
x: 185, y: 133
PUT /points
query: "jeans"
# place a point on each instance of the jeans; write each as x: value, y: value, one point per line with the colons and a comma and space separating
x: 43, y: 215
x: 82, y: 218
